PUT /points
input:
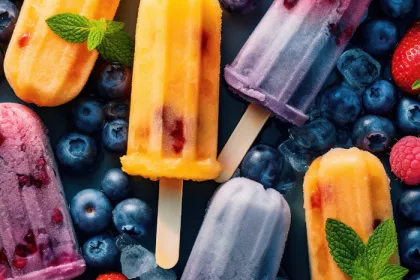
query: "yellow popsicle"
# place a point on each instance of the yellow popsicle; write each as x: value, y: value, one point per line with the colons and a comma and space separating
x: 352, y: 187
x: 41, y: 67
x: 175, y: 95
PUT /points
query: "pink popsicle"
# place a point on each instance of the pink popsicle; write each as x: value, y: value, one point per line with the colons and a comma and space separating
x: 36, y: 234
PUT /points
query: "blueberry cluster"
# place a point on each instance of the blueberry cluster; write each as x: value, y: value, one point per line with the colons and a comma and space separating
x: 100, y: 117
x: 101, y: 215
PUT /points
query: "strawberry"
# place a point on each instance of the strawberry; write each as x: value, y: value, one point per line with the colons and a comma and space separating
x: 111, y: 276
x: 406, y: 60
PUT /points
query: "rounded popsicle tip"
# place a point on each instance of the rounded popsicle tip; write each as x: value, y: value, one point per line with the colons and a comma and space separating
x: 167, y: 261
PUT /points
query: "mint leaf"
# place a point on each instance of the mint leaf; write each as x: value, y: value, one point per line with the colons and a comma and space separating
x: 117, y: 46
x: 71, y: 27
x: 360, y: 269
x: 416, y: 85
x: 344, y: 244
x: 381, y: 246
x: 392, y: 272
x: 96, y: 34
x: 114, y: 26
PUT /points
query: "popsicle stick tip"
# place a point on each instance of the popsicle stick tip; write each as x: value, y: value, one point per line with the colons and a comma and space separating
x: 167, y: 263
x: 169, y: 222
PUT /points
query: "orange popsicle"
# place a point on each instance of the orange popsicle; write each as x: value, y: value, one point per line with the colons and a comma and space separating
x: 352, y: 187
x: 41, y: 67
x: 175, y: 97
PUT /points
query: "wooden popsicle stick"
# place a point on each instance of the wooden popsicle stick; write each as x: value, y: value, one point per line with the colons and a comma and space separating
x: 241, y: 140
x: 169, y: 222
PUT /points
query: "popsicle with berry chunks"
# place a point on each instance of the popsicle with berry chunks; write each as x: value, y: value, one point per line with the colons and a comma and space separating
x: 175, y: 99
x: 243, y: 234
x: 36, y: 234
x: 41, y: 67
x: 352, y: 187
x: 281, y: 72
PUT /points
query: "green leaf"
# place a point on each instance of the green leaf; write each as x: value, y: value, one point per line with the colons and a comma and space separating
x: 344, y: 244
x: 114, y: 26
x: 96, y: 33
x: 381, y: 246
x: 360, y: 268
x: 416, y: 85
x: 118, y: 46
x: 71, y: 27
x: 392, y: 272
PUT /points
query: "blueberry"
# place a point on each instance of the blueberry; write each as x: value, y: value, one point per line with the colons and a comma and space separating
x: 358, y: 68
x: 116, y: 110
x: 132, y: 216
x: 408, y: 116
x: 113, y: 81
x: 239, y: 6
x: 409, y: 205
x: 115, y: 135
x: 341, y: 105
x: 88, y: 115
x: 101, y: 252
x: 317, y: 135
x: 397, y: 8
x: 379, y: 36
x: 76, y: 152
x: 410, y: 247
x: 415, y: 277
x: 262, y: 164
x: 8, y: 16
x: 373, y: 133
x: 380, y: 98
x: 115, y: 184
x: 91, y: 211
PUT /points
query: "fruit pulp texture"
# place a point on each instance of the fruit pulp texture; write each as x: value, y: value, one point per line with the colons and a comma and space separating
x: 283, y: 71
x: 36, y: 234
x: 41, y: 67
x: 175, y: 95
x: 352, y: 187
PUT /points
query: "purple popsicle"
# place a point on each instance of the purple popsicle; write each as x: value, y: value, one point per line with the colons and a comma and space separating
x: 284, y: 64
x: 36, y: 235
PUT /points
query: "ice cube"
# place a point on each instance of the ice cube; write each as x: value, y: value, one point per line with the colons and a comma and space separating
x: 298, y: 157
x: 159, y: 274
x: 137, y: 260
x: 124, y: 239
x: 286, y: 179
x: 358, y: 68
x: 317, y: 135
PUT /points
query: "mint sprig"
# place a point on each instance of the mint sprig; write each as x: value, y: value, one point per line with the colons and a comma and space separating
x: 106, y: 36
x: 360, y: 261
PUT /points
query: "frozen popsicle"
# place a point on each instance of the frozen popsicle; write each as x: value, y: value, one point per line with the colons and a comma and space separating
x: 41, y: 67
x: 243, y: 234
x: 175, y: 96
x: 352, y: 187
x: 36, y: 235
x: 281, y: 72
